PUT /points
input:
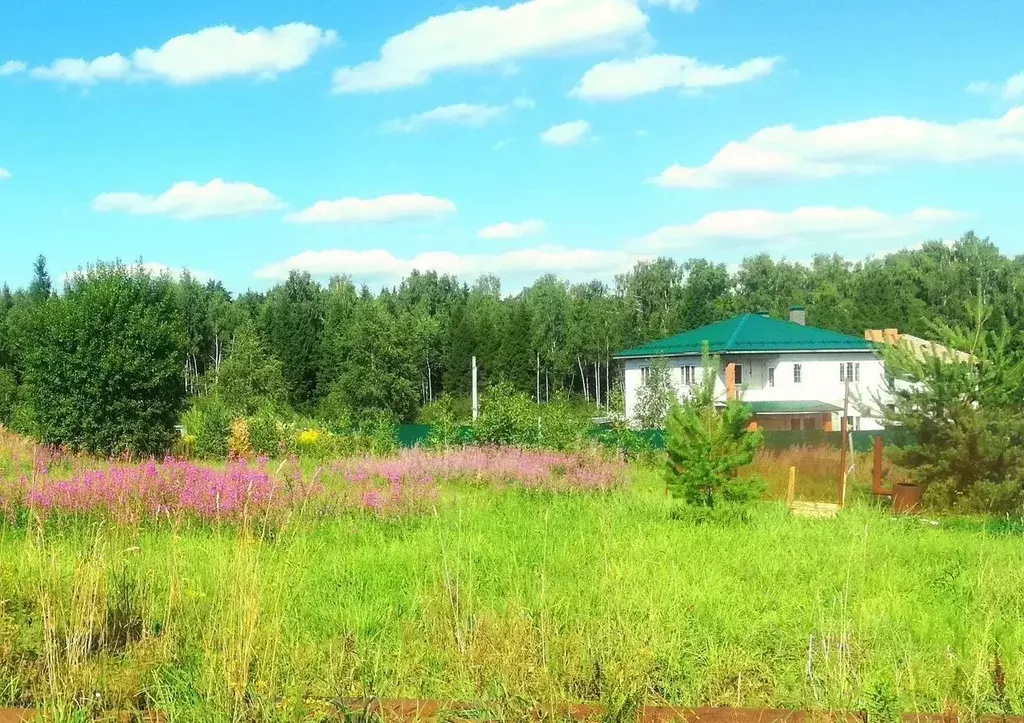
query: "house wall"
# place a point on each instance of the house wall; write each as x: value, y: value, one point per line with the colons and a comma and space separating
x: 819, y: 380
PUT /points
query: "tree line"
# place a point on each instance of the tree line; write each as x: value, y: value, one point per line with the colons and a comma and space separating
x: 320, y: 348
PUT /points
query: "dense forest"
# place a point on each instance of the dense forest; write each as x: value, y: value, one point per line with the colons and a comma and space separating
x: 318, y: 348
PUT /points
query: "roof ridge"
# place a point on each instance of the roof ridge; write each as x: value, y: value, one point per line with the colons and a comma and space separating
x: 736, y: 331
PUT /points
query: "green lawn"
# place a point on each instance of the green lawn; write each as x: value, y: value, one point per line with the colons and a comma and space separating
x: 514, y: 597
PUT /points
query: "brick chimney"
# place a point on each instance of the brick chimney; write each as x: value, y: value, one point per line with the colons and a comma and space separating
x: 798, y: 315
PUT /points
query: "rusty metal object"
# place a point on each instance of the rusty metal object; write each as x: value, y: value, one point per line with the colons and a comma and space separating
x: 906, y: 499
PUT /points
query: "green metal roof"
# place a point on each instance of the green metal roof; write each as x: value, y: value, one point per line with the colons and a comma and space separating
x: 749, y: 333
x: 792, y: 407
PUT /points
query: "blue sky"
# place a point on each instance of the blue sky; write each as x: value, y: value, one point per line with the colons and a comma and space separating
x: 244, y: 139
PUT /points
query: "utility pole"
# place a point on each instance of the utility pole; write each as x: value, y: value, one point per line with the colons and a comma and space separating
x: 476, y: 397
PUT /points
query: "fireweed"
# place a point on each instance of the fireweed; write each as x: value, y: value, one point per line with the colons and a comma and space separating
x: 175, y: 490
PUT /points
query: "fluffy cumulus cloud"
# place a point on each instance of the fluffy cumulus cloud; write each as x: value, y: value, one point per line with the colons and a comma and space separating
x: 13, y: 67
x: 208, y: 54
x: 493, y: 36
x: 806, y: 225
x: 508, y: 230
x: 860, y: 147
x: 4, y: 174
x: 522, y: 264
x: 621, y: 79
x: 384, y: 209
x: 566, y: 134
x: 85, y: 72
x: 189, y: 200
x: 1010, y: 89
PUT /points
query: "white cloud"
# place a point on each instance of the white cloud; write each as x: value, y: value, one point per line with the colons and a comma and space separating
x: 621, y: 79
x: 85, y: 72
x: 463, y: 114
x: 860, y: 147
x: 492, y: 36
x: 1010, y: 89
x: 189, y: 200
x: 510, y: 230
x: 681, y: 6
x: 4, y: 174
x: 13, y: 67
x: 566, y: 134
x: 808, y: 224
x: 399, y: 207
x: 205, y: 55
x: 522, y: 264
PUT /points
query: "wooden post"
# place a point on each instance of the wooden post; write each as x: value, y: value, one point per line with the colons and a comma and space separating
x: 730, y: 382
x: 791, y: 487
x: 876, y: 475
x: 842, y: 448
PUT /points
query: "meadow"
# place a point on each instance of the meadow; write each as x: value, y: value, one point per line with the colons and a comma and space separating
x: 261, y: 591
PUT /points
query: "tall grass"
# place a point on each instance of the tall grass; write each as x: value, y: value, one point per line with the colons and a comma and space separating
x: 511, y: 596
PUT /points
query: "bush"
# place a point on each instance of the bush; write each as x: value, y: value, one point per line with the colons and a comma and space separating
x: 103, y: 368
x: 208, y: 422
x: 8, y: 397
x: 507, y: 418
x: 379, y: 433
x: 266, y: 433
x: 707, y: 446
x: 655, y: 398
x: 563, y: 426
x: 445, y: 429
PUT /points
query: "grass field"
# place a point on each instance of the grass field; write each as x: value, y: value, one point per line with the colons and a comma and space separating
x: 512, y: 596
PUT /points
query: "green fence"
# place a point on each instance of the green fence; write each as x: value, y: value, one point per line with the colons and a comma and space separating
x: 411, y: 435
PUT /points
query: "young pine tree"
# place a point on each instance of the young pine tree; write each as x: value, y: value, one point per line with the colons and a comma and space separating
x: 706, y: 446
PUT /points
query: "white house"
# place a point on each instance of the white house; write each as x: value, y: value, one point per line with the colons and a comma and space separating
x: 794, y: 376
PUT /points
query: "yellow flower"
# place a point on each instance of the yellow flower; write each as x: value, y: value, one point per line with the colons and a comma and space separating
x: 309, y: 437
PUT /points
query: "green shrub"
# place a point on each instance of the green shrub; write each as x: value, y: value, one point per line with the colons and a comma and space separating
x: 208, y: 422
x: 563, y: 425
x: 655, y: 398
x: 8, y: 396
x: 446, y: 431
x: 707, y: 446
x: 507, y: 418
x: 266, y: 432
x: 379, y: 433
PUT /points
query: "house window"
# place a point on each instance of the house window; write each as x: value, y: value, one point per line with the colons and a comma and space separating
x: 797, y: 373
x: 795, y: 424
x: 739, y: 374
x: 849, y: 372
x: 645, y: 374
x: 853, y: 424
x: 689, y: 375
x: 771, y: 376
